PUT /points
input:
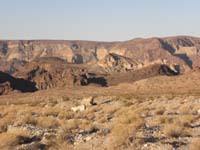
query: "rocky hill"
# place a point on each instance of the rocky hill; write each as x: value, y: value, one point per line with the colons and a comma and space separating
x: 53, y: 72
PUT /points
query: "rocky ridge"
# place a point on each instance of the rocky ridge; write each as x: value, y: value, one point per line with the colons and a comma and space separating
x: 181, y: 50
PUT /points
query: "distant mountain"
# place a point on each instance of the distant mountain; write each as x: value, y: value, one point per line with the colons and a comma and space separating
x: 49, y: 64
x: 181, y: 50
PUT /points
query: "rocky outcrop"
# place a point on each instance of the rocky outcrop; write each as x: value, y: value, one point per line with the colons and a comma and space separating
x: 9, y: 83
x: 186, y: 48
x: 145, y: 72
x: 12, y: 66
x: 54, y: 72
x: 117, y: 63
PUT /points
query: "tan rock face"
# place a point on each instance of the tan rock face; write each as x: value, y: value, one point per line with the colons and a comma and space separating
x: 118, y: 63
x: 102, y: 53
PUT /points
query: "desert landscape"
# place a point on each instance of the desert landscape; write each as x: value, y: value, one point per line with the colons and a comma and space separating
x: 141, y: 94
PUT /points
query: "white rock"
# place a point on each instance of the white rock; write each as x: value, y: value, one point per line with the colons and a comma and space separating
x: 198, y: 111
x: 88, y: 138
x: 78, y: 108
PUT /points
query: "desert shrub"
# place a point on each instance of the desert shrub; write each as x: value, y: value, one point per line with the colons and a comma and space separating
x: 175, y: 130
x: 86, y: 125
x: 50, y: 112
x: 162, y: 119
x: 125, y: 127
x: 130, y: 116
x: 25, y: 119
x: 80, y: 124
x: 70, y: 124
x: 47, y: 122
x: 120, y: 134
x: 185, y: 110
x: 65, y: 115
x: 186, y: 120
x: 7, y: 120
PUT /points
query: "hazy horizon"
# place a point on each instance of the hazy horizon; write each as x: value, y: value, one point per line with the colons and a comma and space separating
x: 97, y: 20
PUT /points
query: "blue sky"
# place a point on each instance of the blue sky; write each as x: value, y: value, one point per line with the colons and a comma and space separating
x: 102, y: 20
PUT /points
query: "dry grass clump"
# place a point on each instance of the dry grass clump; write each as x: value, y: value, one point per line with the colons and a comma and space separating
x: 47, y: 122
x: 186, y: 120
x: 12, y: 139
x: 123, y: 135
x: 78, y: 124
x: 66, y: 115
x: 70, y: 124
x: 125, y: 128
x: 186, y: 109
x: 104, y: 115
x: 25, y: 119
x: 8, y: 140
x: 183, y: 120
x: 160, y: 111
x: 86, y: 125
x: 164, y: 119
x: 5, y: 121
x: 175, y: 130
x: 195, y: 145
x: 120, y: 135
x: 129, y: 116
x: 50, y: 111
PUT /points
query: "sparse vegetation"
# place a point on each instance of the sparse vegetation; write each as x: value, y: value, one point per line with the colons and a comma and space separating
x: 132, y: 121
x: 175, y: 130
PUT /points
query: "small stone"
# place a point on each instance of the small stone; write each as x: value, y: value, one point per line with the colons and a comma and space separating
x: 88, y: 138
x: 78, y: 108
x: 198, y: 111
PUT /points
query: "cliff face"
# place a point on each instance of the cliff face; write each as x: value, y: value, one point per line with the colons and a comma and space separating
x: 184, y: 51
